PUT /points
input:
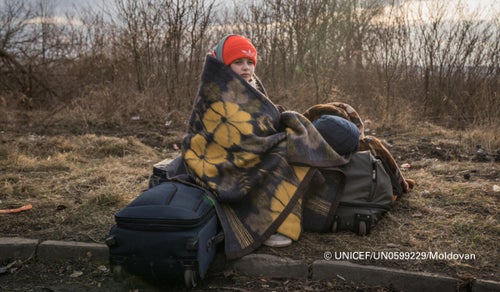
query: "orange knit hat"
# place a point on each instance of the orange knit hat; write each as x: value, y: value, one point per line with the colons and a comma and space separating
x: 234, y: 47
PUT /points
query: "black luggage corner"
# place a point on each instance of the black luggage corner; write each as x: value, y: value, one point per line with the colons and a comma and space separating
x: 167, y: 168
x: 159, y: 174
x: 169, y: 232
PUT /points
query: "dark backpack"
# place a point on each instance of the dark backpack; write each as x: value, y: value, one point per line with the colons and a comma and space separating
x: 367, y: 194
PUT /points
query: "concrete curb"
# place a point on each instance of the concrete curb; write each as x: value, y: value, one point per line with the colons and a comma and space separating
x: 258, y: 265
x: 94, y: 252
x: 51, y: 250
x: 371, y: 275
x: 17, y: 248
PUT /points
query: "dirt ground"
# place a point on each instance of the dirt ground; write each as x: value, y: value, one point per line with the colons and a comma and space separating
x: 83, y: 277
x: 453, y: 208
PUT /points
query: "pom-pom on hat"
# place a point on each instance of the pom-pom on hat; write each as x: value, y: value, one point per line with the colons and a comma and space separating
x: 233, y: 47
x: 341, y: 134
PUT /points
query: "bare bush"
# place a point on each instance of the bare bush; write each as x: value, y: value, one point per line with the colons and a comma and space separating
x: 391, y: 60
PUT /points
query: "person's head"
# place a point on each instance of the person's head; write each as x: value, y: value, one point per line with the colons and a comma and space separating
x: 239, y: 53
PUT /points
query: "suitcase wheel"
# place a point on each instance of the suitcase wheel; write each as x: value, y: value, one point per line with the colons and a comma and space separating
x: 333, y: 229
x: 364, y: 223
x: 362, y: 228
x: 118, y: 273
x: 190, y: 278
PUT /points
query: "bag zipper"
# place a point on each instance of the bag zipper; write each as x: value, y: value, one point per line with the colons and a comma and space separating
x: 158, y: 224
x: 364, y: 205
x: 373, y: 185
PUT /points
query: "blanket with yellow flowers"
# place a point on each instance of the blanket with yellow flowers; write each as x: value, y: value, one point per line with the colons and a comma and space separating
x: 257, y: 161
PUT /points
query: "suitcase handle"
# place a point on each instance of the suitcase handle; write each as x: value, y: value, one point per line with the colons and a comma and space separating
x: 110, y: 241
x: 214, y: 240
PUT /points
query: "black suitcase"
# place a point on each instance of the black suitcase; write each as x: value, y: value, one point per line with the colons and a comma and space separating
x: 168, y: 232
x: 367, y: 195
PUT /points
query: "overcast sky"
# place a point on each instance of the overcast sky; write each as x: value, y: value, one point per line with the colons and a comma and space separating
x: 69, y: 5
x: 487, y: 8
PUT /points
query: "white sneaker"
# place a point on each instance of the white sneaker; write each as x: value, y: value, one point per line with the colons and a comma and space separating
x: 278, y: 240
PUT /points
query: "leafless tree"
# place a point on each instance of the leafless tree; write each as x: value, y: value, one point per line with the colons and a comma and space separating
x: 376, y: 55
x: 164, y: 39
x: 386, y: 55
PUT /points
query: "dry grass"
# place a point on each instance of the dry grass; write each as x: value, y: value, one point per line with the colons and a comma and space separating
x: 74, y: 183
x: 77, y: 182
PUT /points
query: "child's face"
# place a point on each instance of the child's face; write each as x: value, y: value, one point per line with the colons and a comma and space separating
x: 243, y: 67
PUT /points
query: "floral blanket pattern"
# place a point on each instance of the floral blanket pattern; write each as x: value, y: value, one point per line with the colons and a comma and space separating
x: 257, y: 161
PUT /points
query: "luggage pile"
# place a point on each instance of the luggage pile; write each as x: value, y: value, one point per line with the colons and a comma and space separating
x: 171, y: 231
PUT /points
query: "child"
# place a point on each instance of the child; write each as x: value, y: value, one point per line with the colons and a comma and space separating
x: 240, y: 55
x: 256, y: 160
